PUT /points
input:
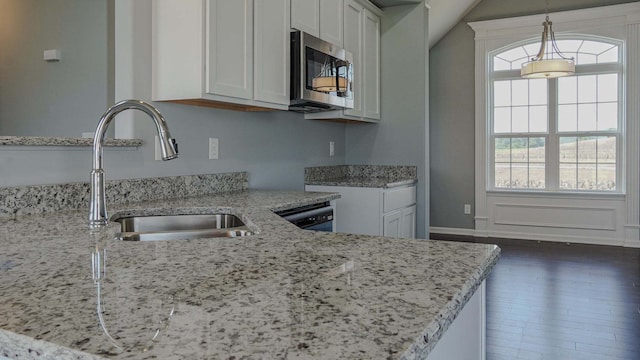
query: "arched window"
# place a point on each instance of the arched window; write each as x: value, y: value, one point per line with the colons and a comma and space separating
x: 561, y: 134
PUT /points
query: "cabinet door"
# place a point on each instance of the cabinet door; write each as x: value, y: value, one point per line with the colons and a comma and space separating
x: 177, y: 64
x: 271, y: 56
x: 357, y: 211
x: 305, y: 16
x: 331, y: 21
x: 391, y: 224
x: 371, y: 65
x: 353, y: 19
x: 230, y: 48
x: 408, y: 223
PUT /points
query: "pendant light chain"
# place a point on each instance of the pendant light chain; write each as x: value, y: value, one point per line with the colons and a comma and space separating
x: 546, y: 9
x: 545, y: 64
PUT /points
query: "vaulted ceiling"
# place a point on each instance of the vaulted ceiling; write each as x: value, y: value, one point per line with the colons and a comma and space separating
x: 443, y: 14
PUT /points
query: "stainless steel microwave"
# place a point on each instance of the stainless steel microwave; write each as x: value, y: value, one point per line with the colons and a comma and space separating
x: 321, y: 75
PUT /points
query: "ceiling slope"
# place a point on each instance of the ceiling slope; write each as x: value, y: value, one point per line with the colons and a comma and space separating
x: 443, y: 14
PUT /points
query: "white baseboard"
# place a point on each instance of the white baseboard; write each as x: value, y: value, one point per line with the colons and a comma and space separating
x: 452, y: 231
x: 632, y: 234
x: 538, y: 237
x: 632, y: 243
x: 558, y: 238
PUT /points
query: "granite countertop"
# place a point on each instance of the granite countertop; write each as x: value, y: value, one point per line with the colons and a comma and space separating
x: 368, y: 182
x: 369, y: 176
x: 281, y: 293
x: 64, y: 141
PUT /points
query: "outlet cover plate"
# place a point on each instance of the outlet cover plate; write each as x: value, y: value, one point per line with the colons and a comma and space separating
x: 213, y: 148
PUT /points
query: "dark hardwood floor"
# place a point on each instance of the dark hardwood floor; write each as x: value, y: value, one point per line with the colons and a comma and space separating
x: 559, y: 301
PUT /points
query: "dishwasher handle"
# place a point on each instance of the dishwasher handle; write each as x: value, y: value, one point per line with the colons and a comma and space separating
x: 328, y: 211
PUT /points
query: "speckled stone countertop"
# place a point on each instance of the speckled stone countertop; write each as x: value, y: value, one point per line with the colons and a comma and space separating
x: 64, y: 141
x: 370, y: 176
x: 282, y: 293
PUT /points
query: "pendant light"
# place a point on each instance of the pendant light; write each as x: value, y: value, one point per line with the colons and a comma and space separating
x: 550, y: 62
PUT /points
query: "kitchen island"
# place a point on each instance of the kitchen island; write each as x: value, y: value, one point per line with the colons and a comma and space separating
x: 280, y: 293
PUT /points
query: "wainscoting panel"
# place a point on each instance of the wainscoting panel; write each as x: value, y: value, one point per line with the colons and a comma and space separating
x: 572, y: 217
x: 562, y: 218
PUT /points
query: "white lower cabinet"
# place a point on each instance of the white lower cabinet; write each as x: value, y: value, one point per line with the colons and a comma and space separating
x: 374, y: 211
x: 400, y: 223
x: 391, y: 224
x: 465, y: 339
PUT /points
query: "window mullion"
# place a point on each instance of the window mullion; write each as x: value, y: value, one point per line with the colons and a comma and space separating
x: 553, y: 141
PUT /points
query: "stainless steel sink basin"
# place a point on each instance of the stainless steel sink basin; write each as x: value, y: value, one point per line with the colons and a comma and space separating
x: 174, y: 227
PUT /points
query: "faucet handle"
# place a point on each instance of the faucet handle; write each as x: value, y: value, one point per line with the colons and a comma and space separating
x: 175, y: 144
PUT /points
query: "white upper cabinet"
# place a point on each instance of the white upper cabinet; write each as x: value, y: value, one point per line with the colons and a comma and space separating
x: 222, y: 53
x: 371, y: 66
x: 362, y: 39
x: 332, y: 21
x: 353, y: 39
x: 320, y: 18
x: 272, y: 59
x: 230, y: 48
x: 305, y: 16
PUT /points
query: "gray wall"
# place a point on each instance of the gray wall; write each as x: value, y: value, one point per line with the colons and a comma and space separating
x: 401, y: 137
x: 451, y: 117
x: 273, y: 147
x: 63, y: 98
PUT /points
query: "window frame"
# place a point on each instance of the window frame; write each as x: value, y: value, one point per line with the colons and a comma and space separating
x: 492, y: 208
x: 552, y: 135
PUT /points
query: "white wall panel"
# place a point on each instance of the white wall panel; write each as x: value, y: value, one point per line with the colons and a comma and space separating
x: 573, y: 217
x: 560, y: 218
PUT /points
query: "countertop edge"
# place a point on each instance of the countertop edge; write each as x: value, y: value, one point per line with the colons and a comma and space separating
x: 18, y: 346
x: 64, y: 141
x: 428, y: 339
x: 366, y: 184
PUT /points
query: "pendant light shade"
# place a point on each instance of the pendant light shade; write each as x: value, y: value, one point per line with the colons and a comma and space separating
x: 547, y: 69
x: 550, y: 62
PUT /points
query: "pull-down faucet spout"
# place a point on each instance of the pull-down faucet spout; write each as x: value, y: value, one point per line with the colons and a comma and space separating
x: 98, y: 206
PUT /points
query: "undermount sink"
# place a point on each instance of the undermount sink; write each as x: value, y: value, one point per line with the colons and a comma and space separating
x: 175, y: 227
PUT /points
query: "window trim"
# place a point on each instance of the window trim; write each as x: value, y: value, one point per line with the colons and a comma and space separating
x: 614, y: 21
x: 552, y: 135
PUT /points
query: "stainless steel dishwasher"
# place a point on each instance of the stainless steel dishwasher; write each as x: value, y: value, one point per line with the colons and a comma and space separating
x: 317, y: 217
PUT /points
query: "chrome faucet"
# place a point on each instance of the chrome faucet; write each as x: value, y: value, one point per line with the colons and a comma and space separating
x: 98, y: 206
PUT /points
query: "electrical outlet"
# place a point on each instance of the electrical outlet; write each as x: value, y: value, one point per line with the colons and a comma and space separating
x: 467, y: 209
x: 332, y: 148
x: 213, y: 148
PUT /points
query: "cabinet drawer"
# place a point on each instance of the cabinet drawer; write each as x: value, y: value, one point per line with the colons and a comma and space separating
x: 398, y: 198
